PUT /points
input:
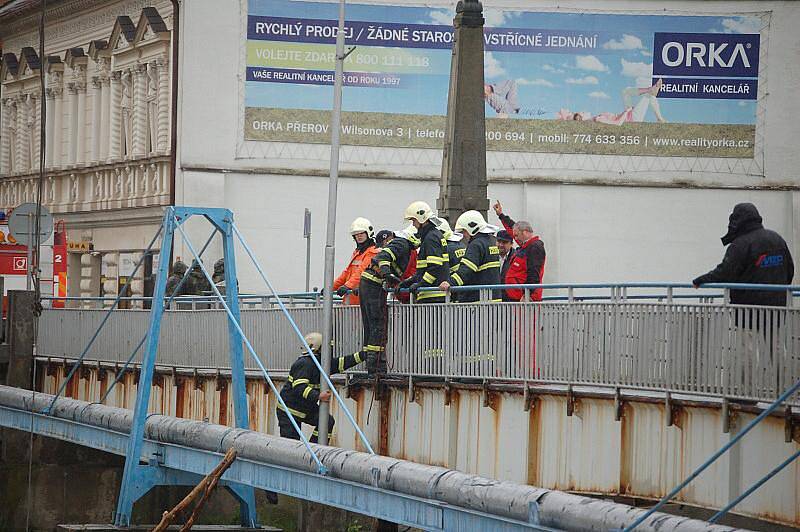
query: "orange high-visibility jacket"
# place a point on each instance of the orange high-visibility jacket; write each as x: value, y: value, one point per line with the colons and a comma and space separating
x: 351, y: 275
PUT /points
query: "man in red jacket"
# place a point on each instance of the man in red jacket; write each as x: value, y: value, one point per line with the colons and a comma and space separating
x: 527, y: 261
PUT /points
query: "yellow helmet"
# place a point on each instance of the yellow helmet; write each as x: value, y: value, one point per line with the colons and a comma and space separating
x: 471, y: 222
x: 314, y: 341
x: 362, y: 225
x: 419, y: 211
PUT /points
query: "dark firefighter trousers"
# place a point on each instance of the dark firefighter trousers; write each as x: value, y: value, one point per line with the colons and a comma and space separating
x: 312, y: 418
x: 374, y: 321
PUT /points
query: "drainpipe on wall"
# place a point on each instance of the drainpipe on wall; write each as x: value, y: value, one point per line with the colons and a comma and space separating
x: 173, y: 142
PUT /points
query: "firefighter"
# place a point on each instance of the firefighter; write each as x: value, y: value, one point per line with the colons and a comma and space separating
x: 432, y: 263
x: 178, y: 272
x: 382, y: 240
x: 364, y: 236
x: 301, y: 390
x: 480, y: 264
x: 455, y: 245
x: 384, y: 272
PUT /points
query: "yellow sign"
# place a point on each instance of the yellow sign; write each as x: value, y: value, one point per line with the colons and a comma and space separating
x: 80, y: 246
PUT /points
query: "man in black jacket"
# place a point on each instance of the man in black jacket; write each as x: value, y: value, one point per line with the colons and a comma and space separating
x: 301, y: 390
x: 754, y: 255
x: 480, y: 264
x: 384, y: 272
x: 432, y: 258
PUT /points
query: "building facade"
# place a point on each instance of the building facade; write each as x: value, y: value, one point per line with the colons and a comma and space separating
x: 107, y: 150
x: 604, y: 216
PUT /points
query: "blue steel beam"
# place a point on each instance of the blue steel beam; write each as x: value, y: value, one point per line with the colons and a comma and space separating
x: 181, y: 464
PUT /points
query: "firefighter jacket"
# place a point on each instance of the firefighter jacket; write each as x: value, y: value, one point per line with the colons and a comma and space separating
x: 480, y: 265
x: 351, y: 276
x: 300, y: 392
x: 754, y: 255
x: 455, y: 251
x: 432, y: 264
x: 392, y: 258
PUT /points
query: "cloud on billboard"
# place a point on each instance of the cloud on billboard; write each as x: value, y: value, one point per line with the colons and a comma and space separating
x: 742, y: 25
x: 586, y: 80
x: 643, y: 72
x: 492, y: 67
x: 537, y: 82
x: 626, y: 42
x: 590, y: 63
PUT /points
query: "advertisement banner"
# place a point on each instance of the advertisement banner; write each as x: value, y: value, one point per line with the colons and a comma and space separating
x: 589, y: 83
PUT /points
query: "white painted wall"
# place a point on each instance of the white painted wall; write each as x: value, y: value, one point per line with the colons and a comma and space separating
x: 592, y: 233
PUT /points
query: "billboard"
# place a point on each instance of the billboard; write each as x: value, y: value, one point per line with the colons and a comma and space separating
x: 555, y: 82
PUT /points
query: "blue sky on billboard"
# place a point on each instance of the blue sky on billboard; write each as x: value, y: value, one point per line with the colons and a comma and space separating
x: 591, y: 80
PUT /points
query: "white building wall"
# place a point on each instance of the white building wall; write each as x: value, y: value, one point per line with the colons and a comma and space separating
x: 594, y: 229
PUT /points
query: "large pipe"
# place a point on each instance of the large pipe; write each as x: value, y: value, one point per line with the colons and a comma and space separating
x: 556, y: 509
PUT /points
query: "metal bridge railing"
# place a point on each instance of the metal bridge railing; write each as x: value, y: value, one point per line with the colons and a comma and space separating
x: 644, y: 336
x: 728, y: 351
x: 191, y: 339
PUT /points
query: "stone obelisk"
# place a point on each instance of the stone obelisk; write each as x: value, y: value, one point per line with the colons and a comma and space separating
x: 463, y: 181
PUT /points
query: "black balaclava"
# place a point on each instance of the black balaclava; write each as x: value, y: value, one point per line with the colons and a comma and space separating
x: 743, y: 219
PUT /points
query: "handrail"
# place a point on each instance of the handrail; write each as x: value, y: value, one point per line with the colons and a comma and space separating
x: 794, y: 289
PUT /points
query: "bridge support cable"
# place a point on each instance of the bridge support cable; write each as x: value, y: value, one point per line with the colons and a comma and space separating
x: 113, y: 307
x: 237, y: 325
x: 138, y: 479
x: 300, y: 335
x: 122, y: 371
x: 747, y: 428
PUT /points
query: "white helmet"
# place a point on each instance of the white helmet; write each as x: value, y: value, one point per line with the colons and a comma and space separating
x: 314, y: 341
x: 409, y: 233
x: 362, y: 225
x: 471, y: 222
x: 448, y: 233
x: 419, y: 211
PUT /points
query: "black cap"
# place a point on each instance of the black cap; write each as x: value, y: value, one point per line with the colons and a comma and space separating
x: 381, y: 237
x: 504, y: 236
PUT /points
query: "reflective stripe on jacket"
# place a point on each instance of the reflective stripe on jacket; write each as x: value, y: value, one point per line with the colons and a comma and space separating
x: 300, y: 392
x: 432, y: 263
x: 480, y: 265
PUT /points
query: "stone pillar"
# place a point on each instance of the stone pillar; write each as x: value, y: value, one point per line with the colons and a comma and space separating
x: 35, y: 132
x: 105, y: 116
x: 50, y: 129
x: 5, y: 136
x: 12, y: 140
x: 23, y: 146
x: 72, y: 139
x: 58, y: 125
x: 163, y: 104
x: 463, y: 183
x: 80, y: 141
x: 22, y: 324
x: 97, y: 105
x: 116, y: 116
x: 139, y: 111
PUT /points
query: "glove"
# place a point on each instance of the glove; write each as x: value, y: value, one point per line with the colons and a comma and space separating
x: 393, y: 280
x: 414, y: 287
x: 342, y: 291
x: 406, y: 283
x: 355, y: 291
